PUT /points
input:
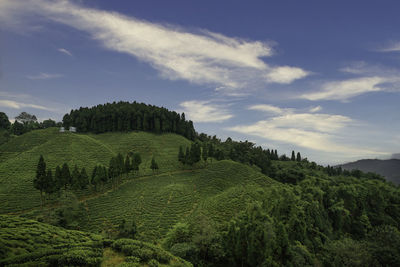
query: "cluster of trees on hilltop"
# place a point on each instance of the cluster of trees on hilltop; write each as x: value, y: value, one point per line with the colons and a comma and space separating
x: 23, y: 123
x: 126, y: 116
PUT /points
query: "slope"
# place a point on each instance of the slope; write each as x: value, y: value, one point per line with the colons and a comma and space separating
x: 19, y: 156
x: 158, y: 202
x: 32, y: 243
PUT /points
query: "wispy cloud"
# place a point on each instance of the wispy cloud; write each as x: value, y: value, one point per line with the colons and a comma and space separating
x: 44, y: 76
x: 343, y: 90
x: 316, y: 131
x: 315, y: 109
x: 393, y: 47
x: 205, y: 111
x: 201, y: 57
x: 18, y: 105
x: 270, y: 109
x: 64, y: 51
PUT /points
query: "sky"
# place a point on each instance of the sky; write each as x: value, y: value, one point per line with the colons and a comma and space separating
x: 319, y: 77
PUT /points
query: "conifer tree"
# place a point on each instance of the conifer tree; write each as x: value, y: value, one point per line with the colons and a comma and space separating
x: 39, y: 182
x: 205, y: 153
x: 83, y: 179
x: 65, y: 176
x: 293, y: 158
x: 187, y: 156
x: 181, y: 155
x: 211, y: 151
x: 137, y: 160
x: 128, y: 165
x: 75, y: 177
x: 51, y: 185
x: 154, y: 165
x: 298, y: 157
x: 57, y: 178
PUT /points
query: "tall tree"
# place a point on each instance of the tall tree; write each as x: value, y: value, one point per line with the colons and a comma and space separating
x: 205, y: 153
x: 39, y: 182
x: 65, y: 175
x: 4, y: 122
x: 298, y: 158
x: 293, y: 158
x: 181, y: 155
x: 137, y: 160
x: 83, y: 179
x: 127, y: 164
x: 154, y: 165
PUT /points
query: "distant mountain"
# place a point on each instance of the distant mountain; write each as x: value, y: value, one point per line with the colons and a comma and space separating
x: 396, y: 156
x: 390, y: 168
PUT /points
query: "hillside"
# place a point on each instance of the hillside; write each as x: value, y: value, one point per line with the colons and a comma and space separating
x: 390, y: 168
x: 29, y: 242
x: 19, y: 157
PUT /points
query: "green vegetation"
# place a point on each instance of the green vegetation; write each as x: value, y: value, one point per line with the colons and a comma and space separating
x: 235, y: 205
x: 32, y: 243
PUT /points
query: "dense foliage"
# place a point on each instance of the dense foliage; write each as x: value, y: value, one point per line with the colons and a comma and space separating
x: 125, y: 116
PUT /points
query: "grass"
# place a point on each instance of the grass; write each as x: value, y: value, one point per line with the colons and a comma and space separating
x: 19, y: 156
x: 30, y: 243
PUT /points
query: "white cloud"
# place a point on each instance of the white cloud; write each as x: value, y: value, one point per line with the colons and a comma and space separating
x: 343, y: 90
x: 286, y: 74
x: 64, y: 51
x: 203, y: 57
x: 319, y: 132
x: 44, y: 76
x: 393, y: 47
x: 315, y: 109
x: 270, y: 109
x: 205, y: 111
x: 19, y: 105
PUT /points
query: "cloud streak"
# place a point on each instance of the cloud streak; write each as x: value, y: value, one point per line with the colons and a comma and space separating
x: 316, y: 131
x: 205, y: 111
x: 18, y: 105
x: 44, y: 76
x: 202, y: 57
x: 64, y: 51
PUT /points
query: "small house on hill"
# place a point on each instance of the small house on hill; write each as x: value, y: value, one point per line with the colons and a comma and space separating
x: 62, y: 129
x: 72, y: 129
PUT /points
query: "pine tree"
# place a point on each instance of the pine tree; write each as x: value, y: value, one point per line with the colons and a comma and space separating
x: 83, y: 179
x: 57, y: 178
x: 65, y: 176
x: 51, y: 186
x: 205, y: 153
x: 293, y: 158
x: 137, y: 160
x: 154, y: 165
x: 128, y: 165
x: 39, y: 182
x: 75, y: 177
x: 211, y: 151
x: 298, y: 157
x: 181, y: 155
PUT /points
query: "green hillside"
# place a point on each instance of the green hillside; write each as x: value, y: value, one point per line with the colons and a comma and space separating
x: 32, y: 243
x: 19, y: 157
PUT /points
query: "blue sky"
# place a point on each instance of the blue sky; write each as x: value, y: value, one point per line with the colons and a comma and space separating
x: 320, y: 78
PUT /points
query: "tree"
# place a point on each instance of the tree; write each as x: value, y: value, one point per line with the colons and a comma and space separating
x: 17, y: 128
x: 293, y: 158
x: 4, y: 122
x: 25, y: 117
x: 154, y: 165
x: 48, y: 123
x: 205, y: 153
x: 127, y: 230
x: 51, y: 186
x: 57, y: 178
x: 298, y: 158
x: 137, y: 160
x: 75, y: 177
x: 181, y: 155
x: 83, y: 179
x: 39, y: 182
x: 65, y: 176
x: 127, y: 164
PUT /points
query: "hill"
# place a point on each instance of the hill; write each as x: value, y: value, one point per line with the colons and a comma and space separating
x: 19, y: 157
x: 33, y: 243
x: 390, y: 168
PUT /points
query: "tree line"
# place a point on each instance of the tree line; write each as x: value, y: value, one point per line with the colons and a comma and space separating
x: 78, y: 179
x: 126, y: 116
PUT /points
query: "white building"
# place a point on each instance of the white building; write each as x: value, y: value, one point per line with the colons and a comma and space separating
x: 62, y: 129
x: 72, y: 129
